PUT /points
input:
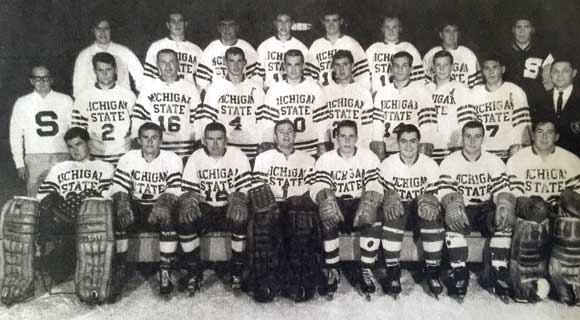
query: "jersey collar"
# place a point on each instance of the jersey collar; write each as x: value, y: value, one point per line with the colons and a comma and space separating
x: 98, y: 86
x: 467, y: 159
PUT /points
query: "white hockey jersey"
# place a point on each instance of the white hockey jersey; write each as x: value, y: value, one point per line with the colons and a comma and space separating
x: 410, y: 181
x: 287, y: 177
x: 271, y: 52
x: 215, y: 179
x: 173, y: 107
x: 145, y: 181
x: 465, y: 65
x: 379, y: 56
x: 68, y: 177
x: 188, y: 55
x: 106, y: 115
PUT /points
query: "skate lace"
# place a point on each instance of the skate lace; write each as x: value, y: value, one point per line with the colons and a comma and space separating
x: 332, y: 276
x: 367, y: 275
x: 165, y: 278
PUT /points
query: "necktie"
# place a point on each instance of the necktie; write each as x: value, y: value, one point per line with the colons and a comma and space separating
x: 559, y: 103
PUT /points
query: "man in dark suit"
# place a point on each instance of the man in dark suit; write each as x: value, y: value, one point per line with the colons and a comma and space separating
x: 563, y: 104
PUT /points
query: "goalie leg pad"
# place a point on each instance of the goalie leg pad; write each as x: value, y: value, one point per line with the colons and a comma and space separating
x: 17, y: 237
x: 95, y: 251
x: 528, y: 258
x: 569, y: 205
x: 565, y: 261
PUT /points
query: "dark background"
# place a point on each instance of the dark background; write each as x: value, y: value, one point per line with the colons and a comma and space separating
x: 54, y: 31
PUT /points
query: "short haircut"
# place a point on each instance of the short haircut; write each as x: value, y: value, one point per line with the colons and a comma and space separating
x: 449, y: 21
x: 234, y: 51
x: 347, y: 124
x: 408, y: 128
x: 340, y: 54
x: 104, y: 57
x: 392, y: 16
x: 330, y: 9
x: 174, y: 10
x: 227, y: 16
x: 523, y: 15
x: 214, y: 126
x: 97, y: 19
x: 491, y: 56
x: 75, y: 132
x: 564, y: 58
x: 283, y: 12
x: 443, y: 54
x: 284, y: 121
x: 294, y: 53
x: 38, y: 65
x: 165, y: 51
x: 473, y: 124
x: 403, y: 54
x: 543, y: 119
x: 151, y: 126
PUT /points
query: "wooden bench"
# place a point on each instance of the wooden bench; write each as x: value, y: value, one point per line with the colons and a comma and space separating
x: 216, y: 247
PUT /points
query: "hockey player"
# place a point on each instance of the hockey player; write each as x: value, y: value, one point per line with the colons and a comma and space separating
x: 527, y: 60
x: 170, y: 102
x: 451, y: 99
x: 410, y: 182
x: 380, y: 54
x: 215, y: 184
x: 271, y: 52
x: 348, y: 192
x: 475, y: 196
x: 502, y: 107
x: 145, y: 189
x: 66, y: 186
x: 348, y: 100
x: 212, y: 64
x: 234, y: 101
x: 127, y: 62
x: 402, y: 101
x: 188, y: 53
x: 545, y: 179
x: 37, y: 126
x: 284, y: 213
x: 302, y: 101
x: 104, y: 110
x: 465, y: 66
x: 323, y: 49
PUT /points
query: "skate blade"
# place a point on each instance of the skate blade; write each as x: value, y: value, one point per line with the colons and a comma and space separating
x: 505, y: 299
x: 460, y: 299
x: 368, y: 296
x: 330, y: 296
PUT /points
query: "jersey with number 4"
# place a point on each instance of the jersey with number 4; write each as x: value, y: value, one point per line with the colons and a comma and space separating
x: 320, y: 65
x: 271, y: 58
x: 350, y: 102
x: 304, y: 104
x: 411, y: 104
x: 410, y: 181
x: 287, y: 176
x: 465, y: 65
x: 215, y: 179
x: 505, y: 114
x: 173, y: 107
x: 106, y: 115
x: 380, y: 55
x: 235, y: 106
x: 188, y: 55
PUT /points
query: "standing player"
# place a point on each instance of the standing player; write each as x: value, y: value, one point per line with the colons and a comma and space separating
x: 475, y: 196
x: 451, y: 99
x: 271, y: 52
x: 541, y: 177
x: 126, y: 61
x: 465, y: 65
x: 37, y: 126
x: 170, y: 102
x: 402, y: 101
x: 104, y: 110
x: 380, y: 54
x: 410, y: 182
x: 283, y: 176
x: 503, y: 109
x: 528, y: 61
x: 348, y: 100
x: 234, y: 100
x: 188, y: 53
x: 145, y: 188
x: 212, y: 64
x: 215, y: 184
x: 348, y: 192
x: 301, y: 101
x: 323, y: 49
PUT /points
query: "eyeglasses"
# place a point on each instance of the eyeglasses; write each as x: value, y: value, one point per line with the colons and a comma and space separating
x: 41, y: 79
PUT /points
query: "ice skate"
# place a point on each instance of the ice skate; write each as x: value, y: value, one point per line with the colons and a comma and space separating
x: 191, y: 282
x: 433, y: 281
x: 367, y: 282
x: 165, y: 284
x: 501, y: 283
x: 332, y: 276
x: 391, y: 284
x: 458, y: 283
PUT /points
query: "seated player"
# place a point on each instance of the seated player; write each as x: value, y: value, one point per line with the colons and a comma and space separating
x: 145, y: 188
x: 347, y: 190
x: 215, y: 183
x: 545, y: 179
x: 410, y: 180
x: 475, y: 196
x: 61, y: 196
x: 286, y: 219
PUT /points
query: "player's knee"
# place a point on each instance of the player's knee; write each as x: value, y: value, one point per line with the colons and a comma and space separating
x: 455, y: 240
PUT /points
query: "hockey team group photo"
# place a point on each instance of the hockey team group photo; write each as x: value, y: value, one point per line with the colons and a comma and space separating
x: 317, y: 163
